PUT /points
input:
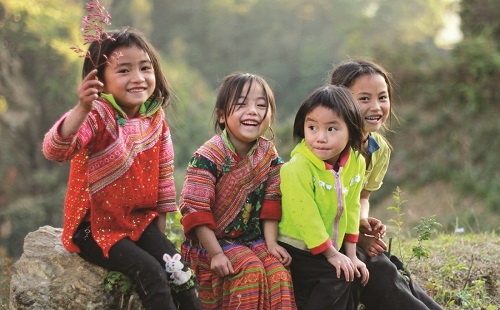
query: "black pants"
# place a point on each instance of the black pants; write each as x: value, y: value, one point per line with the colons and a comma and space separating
x: 142, y: 261
x: 315, y: 282
x: 388, y: 289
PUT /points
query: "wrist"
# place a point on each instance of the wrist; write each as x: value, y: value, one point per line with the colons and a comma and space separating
x: 216, y: 254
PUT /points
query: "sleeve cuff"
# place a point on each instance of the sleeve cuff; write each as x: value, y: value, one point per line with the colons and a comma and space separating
x: 351, y: 238
x: 271, y: 210
x: 195, y: 219
x: 322, y: 247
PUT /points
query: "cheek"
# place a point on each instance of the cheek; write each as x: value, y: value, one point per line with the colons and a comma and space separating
x: 363, y: 108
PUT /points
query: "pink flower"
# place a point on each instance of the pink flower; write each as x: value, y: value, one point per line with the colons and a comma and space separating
x: 93, y: 28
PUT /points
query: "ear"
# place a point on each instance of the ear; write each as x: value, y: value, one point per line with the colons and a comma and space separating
x: 176, y: 256
x: 220, y: 116
x: 167, y: 258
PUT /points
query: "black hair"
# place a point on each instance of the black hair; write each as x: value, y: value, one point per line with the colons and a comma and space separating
x: 347, y: 72
x: 338, y: 99
x: 101, y: 52
x: 229, y: 91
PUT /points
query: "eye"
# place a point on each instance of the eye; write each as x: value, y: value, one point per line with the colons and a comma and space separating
x: 262, y: 103
x: 311, y: 127
x: 239, y: 104
x: 146, y: 68
x: 383, y: 98
x: 332, y: 129
x: 123, y: 71
x: 363, y: 99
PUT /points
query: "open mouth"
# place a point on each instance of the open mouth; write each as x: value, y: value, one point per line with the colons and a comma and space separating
x: 250, y: 123
x: 373, y: 118
x: 136, y: 90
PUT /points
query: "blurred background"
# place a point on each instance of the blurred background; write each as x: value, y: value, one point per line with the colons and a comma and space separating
x: 444, y: 56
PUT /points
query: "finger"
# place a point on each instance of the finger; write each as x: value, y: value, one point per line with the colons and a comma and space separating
x: 230, y: 268
x: 91, y: 76
x: 381, y: 245
x: 285, y: 261
x: 338, y: 272
x: 357, y: 273
x: 219, y: 272
x: 288, y: 262
x: 348, y: 273
x: 366, y: 277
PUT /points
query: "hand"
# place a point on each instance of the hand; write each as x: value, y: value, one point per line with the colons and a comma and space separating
x: 89, y: 89
x: 280, y: 253
x: 221, y: 265
x: 342, y: 263
x: 372, y: 226
x: 360, y: 270
x: 372, y: 246
x: 161, y: 221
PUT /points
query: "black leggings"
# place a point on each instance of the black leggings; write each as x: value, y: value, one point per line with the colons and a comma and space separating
x: 142, y: 261
x: 388, y: 289
x: 315, y: 282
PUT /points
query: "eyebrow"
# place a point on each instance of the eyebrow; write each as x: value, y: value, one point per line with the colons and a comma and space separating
x: 258, y: 98
x: 368, y: 93
x: 144, y: 61
x: 308, y: 119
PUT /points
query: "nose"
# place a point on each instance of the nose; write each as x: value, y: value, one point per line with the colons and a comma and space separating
x: 375, y: 105
x: 252, y: 108
x: 321, y: 138
x: 137, y: 76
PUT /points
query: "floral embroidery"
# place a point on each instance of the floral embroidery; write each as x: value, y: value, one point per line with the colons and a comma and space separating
x: 356, y: 179
x: 324, y: 185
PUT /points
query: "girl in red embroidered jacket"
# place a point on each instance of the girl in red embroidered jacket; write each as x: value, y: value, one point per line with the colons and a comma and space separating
x: 231, y: 204
x: 121, y: 175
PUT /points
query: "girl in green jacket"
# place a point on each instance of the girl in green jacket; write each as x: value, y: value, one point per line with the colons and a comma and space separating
x: 321, y: 186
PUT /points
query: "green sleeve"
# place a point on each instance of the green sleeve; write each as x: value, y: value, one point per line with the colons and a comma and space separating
x: 301, y: 218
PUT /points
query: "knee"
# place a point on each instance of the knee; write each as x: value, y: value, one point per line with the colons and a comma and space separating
x: 148, y: 271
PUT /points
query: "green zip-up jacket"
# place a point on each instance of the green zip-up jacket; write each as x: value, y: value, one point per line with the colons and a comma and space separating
x: 320, y: 206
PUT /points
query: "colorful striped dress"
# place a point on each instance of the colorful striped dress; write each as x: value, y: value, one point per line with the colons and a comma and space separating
x: 121, y: 176
x: 231, y: 195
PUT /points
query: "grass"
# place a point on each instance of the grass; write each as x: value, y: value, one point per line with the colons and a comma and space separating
x: 461, y: 271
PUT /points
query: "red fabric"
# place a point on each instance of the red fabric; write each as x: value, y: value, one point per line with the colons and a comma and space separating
x: 353, y: 238
x: 121, y: 175
x: 271, y: 210
x: 322, y: 247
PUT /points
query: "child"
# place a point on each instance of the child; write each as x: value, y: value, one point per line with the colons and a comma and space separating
x: 231, y: 204
x: 371, y: 86
x: 321, y: 185
x: 121, y: 176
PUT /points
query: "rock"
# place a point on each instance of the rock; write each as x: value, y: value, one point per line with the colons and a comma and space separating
x: 49, y: 277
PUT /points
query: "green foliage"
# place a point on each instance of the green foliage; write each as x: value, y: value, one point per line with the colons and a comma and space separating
x: 174, y: 230
x: 397, y: 208
x: 425, y: 230
x: 116, y: 281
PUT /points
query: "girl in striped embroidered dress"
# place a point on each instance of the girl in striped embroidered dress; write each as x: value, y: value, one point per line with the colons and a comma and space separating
x: 121, y: 175
x: 231, y: 204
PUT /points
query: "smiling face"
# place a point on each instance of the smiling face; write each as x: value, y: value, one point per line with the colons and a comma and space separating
x: 325, y: 133
x: 371, y: 92
x: 250, y: 118
x: 130, y: 79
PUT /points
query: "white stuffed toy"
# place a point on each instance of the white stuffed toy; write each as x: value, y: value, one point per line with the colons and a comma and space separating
x: 174, y: 266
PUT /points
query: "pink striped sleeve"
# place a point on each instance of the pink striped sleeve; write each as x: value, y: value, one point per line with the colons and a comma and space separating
x: 166, y: 194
